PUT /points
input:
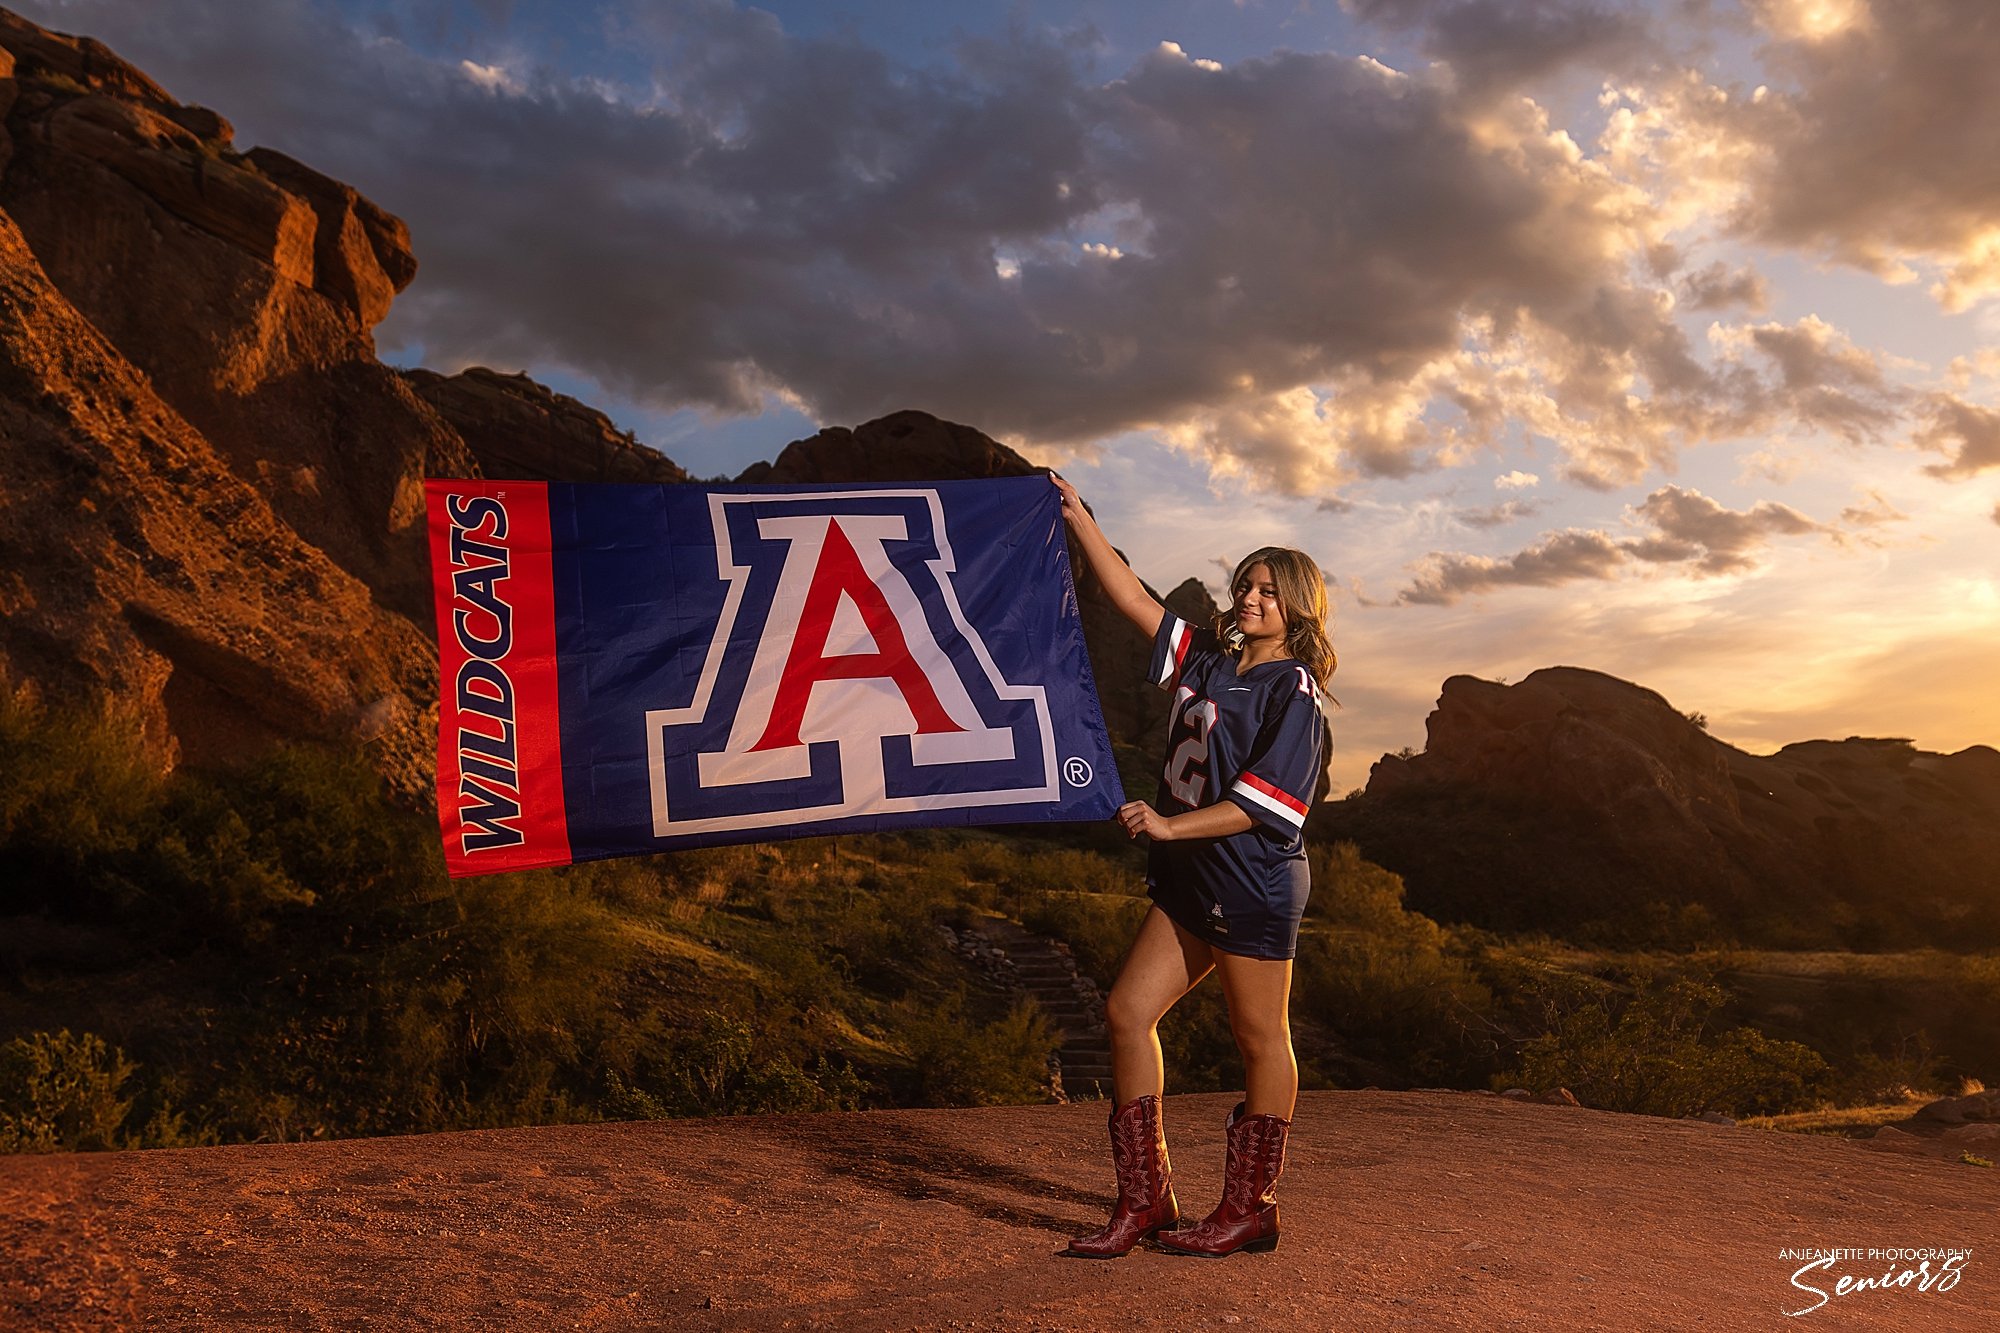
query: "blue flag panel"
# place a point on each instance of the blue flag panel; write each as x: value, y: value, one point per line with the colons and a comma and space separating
x: 743, y: 663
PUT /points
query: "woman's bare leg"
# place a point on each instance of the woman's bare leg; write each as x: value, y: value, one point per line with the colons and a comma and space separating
x: 1259, y: 991
x: 1165, y: 963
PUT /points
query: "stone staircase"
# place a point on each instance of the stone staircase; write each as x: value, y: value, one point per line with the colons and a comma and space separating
x: 1045, y: 971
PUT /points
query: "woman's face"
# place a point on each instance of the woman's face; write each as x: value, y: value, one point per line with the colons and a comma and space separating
x: 1258, y: 614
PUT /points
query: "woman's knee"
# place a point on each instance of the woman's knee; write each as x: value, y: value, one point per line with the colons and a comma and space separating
x: 1128, y: 1015
x: 1258, y: 1042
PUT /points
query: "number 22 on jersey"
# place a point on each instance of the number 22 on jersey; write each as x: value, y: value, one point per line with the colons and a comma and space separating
x: 1187, y: 766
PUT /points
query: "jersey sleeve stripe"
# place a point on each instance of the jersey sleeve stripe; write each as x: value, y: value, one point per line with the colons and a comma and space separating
x: 1278, y: 801
x: 1179, y: 635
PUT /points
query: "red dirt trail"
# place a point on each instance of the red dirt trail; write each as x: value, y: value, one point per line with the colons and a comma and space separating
x: 1401, y: 1210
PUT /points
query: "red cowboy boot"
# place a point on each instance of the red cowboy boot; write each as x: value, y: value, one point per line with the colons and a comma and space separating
x: 1247, y: 1217
x: 1145, y: 1183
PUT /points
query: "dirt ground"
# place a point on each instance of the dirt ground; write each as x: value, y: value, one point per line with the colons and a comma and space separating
x: 1401, y: 1210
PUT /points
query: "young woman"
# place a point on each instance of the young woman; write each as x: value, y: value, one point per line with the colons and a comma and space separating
x: 1226, y: 871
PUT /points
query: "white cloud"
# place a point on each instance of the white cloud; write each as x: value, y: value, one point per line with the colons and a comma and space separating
x: 493, y: 78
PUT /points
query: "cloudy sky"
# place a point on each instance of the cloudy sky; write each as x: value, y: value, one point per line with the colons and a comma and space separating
x: 1661, y: 339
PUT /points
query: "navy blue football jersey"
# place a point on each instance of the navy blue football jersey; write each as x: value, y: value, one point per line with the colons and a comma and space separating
x: 1253, y: 737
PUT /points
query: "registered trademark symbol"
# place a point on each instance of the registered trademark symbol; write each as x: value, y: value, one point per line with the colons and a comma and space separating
x: 1076, y: 771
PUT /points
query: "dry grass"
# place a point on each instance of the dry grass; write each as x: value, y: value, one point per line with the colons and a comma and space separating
x: 1838, y: 1122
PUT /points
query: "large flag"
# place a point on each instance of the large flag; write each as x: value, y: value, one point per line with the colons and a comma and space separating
x: 630, y: 669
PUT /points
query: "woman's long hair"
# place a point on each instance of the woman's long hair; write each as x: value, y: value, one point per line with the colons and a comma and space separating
x: 1302, y: 597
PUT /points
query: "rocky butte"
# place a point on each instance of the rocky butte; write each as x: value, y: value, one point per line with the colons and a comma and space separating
x: 1572, y: 794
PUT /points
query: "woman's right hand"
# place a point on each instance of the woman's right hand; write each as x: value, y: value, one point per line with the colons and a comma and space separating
x: 1120, y: 583
x: 1073, y: 511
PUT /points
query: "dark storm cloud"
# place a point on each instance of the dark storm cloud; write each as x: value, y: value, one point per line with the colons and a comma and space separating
x: 1495, y: 46
x: 804, y: 217
x: 1878, y: 141
x: 1281, y: 265
x: 1683, y: 527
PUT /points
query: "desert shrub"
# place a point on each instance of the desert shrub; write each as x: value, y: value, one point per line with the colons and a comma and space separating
x: 60, y: 1092
x: 883, y: 933
x: 324, y: 819
x: 1380, y: 980
x: 1673, y: 927
x: 723, y: 1068
x: 1349, y: 890
x: 1098, y: 928
x: 1654, y: 1052
x: 73, y: 804
x: 1908, y: 1068
x: 386, y: 998
x: 222, y: 880
x: 91, y: 832
x: 489, y: 1013
x: 955, y: 1061
x: 1068, y: 870
x: 1197, y: 1045
x: 1396, y: 1001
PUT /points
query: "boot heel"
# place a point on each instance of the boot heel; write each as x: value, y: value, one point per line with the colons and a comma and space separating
x: 1174, y: 1225
x: 1264, y: 1246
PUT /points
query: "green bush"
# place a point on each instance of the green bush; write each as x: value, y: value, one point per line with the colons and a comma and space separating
x: 93, y: 833
x: 957, y: 1062
x: 391, y: 999
x: 1098, y: 928
x: 1653, y: 1052
x: 60, y: 1093
x: 1382, y: 981
x: 805, y: 975
x: 722, y: 1069
x: 1196, y: 1043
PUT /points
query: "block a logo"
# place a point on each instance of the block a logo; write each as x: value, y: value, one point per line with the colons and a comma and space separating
x: 842, y: 678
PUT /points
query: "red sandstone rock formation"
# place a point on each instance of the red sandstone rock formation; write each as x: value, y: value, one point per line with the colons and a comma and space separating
x: 517, y: 428
x: 243, y: 287
x: 145, y: 580
x: 1574, y: 788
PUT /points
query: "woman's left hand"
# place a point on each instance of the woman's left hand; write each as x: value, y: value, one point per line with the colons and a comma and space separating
x: 1138, y: 818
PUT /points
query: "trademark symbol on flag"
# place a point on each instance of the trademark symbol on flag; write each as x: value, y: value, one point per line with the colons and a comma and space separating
x: 1076, y: 771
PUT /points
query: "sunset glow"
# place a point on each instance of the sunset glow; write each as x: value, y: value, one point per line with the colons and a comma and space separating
x: 1569, y: 333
